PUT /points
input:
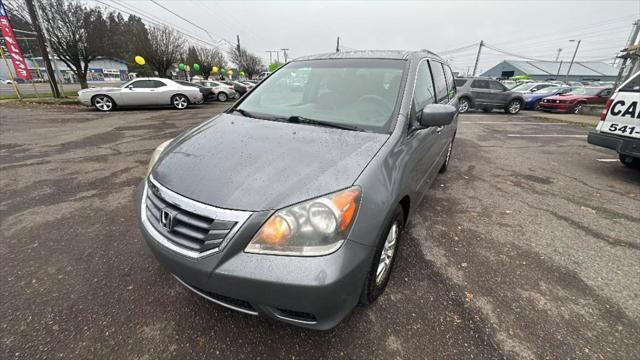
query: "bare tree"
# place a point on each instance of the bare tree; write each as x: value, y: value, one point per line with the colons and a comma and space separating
x: 77, y: 34
x: 210, y: 58
x: 165, y: 49
x: 246, y: 61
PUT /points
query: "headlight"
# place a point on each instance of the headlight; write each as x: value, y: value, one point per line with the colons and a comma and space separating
x: 311, y: 228
x: 156, y: 154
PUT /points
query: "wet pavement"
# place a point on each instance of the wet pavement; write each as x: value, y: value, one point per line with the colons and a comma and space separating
x: 526, y: 248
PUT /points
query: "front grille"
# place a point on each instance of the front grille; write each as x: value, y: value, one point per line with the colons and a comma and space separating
x: 184, y: 228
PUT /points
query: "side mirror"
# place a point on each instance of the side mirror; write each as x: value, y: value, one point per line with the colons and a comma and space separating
x: 130, y: 87
x: 437, y: 115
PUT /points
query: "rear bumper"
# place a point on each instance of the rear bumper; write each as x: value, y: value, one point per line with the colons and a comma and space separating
x: 556, y: 107
x: 313, y: 292
x: 621, y: 144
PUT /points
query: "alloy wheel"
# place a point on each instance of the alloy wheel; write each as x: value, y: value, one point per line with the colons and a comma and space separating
x: 388, y: 251
x: 577, y: 108
x: 514, y: 107
x: 222, y: 97
x: 463, y: 106
x: 180, y: 102
x: 103, y: 103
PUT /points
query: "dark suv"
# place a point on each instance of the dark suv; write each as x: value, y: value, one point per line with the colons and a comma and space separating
x: 486, y: 94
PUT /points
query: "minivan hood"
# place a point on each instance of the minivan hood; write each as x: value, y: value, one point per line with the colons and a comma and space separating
x: 242, y: 163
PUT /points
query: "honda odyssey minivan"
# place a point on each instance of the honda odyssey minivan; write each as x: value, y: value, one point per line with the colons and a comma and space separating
x: 291, y: 204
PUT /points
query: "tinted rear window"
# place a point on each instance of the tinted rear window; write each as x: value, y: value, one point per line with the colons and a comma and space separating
x: 460, y: 82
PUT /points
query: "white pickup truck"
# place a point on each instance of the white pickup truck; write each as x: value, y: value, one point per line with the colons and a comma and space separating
x: 619, y: 127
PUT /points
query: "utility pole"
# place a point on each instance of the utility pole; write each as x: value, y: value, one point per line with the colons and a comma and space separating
x: 43, y: 48
x: 475, y: 66
x: 559, y: 66
x: 238, y: 43
x: 566, y: 78
x: 338, y: 44
x: 285, y: 54
x: 632, y: 41
x: 558, y: 54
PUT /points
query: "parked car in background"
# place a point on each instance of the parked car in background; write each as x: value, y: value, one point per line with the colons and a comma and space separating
x: 573, y: 101
x: 207, y: 94
x: 487, y: 94
x: 263, y: 75
x: 532, y: 100
x: 619, y: 126
x: 254, y: 211
x: 574, y: 83
x: 531, y: 87
x: 510, y: 84
x: 141, y: 92
x: 238, y: 87
x: 222, y: 91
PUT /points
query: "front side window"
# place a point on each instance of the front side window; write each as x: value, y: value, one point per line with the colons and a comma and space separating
x: 440, y: 82
x: 633, y: 85
x: 352, y: 92
x: 451, y: 85
x: 142, y: 84
x: 424, y: 93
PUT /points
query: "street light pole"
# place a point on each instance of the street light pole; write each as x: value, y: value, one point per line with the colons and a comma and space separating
x: 566, y: 78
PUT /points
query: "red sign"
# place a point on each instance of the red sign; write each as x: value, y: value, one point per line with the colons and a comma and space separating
x: 19, y: 63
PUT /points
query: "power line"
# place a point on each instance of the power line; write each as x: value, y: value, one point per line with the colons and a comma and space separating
x: 187, y: 20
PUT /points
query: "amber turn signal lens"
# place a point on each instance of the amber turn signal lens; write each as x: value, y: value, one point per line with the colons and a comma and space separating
x: 275, y: 231
x: 346, y: 203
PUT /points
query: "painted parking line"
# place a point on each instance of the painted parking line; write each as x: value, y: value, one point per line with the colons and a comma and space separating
x: 511, y: 122
x: 547, y: 135
x: 608, y: 160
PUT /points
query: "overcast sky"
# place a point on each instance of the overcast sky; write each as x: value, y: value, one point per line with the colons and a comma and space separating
x: 527, y: 28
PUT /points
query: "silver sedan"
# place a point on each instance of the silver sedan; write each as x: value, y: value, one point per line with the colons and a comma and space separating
x: 141, y: 92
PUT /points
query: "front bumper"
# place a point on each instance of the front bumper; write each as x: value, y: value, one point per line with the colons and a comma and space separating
x: 313, y: 292
x: 555, y: 107
x: 623, y: 145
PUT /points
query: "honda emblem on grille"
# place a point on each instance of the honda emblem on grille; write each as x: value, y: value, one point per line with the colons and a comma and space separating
x: 166, y: 219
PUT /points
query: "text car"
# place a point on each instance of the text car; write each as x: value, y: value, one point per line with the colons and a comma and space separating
x: 291, y: 204
x: 619, y: 126
x: 141, y: 92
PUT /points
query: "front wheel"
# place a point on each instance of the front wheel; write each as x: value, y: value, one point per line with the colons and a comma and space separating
x: 383, y: 259
x: 463, y: 105
x: 577, y: 108
x: 103, y: 103
x: 179, y: 102
x: 513, y: 107
x: 445, y: 165
x: 222, y: 97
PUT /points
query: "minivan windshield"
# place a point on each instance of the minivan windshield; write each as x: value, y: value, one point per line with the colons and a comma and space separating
x: 358, y: 93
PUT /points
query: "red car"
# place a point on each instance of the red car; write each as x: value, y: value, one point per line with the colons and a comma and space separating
x: 572, y: 102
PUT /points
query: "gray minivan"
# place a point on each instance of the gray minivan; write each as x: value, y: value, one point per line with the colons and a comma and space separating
x: 291, y: 204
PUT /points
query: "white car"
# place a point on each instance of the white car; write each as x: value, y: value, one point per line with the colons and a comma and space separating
x: 619, y: 126
x: 141, y: 92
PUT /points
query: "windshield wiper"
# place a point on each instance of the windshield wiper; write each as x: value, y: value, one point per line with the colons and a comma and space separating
x: 303, y: 120
x: 245, y: 113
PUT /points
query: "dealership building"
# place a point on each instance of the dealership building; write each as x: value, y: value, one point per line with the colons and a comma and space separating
x: 552, y: 70
x: 101, y: 69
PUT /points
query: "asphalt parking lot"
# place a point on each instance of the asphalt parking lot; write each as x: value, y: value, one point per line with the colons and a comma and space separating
x: 527, y: 248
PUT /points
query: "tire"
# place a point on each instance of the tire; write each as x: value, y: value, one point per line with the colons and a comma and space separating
x: 464, y: 105
x: 200, y: 102
x: 445, y: 165
x: 513, y: 107
x: 628, y: 161
x: 576, y: 108
x: 103, y: 103
x: 375, y: 284
x: 179, y: 102
x: 222, y: 97
x: 536, y: 106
